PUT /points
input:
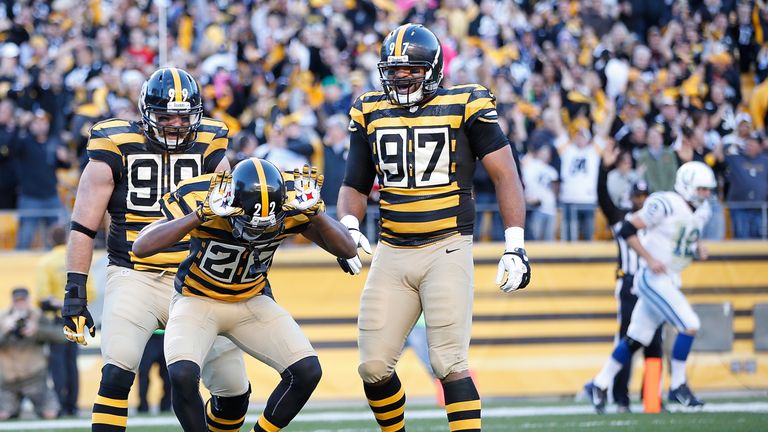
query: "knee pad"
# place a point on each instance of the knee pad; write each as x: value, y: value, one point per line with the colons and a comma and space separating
x: 305, y: 372
x: 373, y: 371
x: 225, y: 413
x: 113, y: 376
x: 185, y: 376
x: 232, y: 407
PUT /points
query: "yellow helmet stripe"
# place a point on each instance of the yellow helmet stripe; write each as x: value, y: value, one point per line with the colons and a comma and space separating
x: 176, y: 84
x: 399, y: 40
x: 263, y: 183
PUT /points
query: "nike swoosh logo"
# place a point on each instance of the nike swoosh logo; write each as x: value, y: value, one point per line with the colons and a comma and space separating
x: 451, y: 250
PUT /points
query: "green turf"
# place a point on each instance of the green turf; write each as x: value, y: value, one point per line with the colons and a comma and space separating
x: 678, y: 422
x: 429, y: 419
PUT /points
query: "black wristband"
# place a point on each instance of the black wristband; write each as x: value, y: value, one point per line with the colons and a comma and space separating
x: 628, y: 229
x: 75, y: 226
x: 78, y: 280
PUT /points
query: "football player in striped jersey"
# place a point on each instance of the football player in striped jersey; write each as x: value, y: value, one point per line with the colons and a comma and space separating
x: 131, y: 165
x: 422, y: 141
x: 235, y: 225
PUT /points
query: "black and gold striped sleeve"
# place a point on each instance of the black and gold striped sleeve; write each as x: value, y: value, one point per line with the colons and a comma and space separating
x: 357, y: 118
x: 482, y: 123
x: 187, y: 197
x: 102, y: 148
x: 217, y: 134
x: 171, y: 206
x: 481, y: 106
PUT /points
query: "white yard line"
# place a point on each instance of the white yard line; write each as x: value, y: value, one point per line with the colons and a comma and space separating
x: 335, y: 416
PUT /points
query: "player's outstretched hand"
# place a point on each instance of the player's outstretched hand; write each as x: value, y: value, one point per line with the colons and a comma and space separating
x: 307, y: 183
x: 217, y: 201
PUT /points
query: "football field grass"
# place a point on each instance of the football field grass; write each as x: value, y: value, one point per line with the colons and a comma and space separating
x: 733, y: 415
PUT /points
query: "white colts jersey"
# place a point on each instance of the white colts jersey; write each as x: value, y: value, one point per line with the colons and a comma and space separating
x: 673, y: 229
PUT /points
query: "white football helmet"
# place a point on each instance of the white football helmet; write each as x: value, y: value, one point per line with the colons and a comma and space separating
x: 690, y: 177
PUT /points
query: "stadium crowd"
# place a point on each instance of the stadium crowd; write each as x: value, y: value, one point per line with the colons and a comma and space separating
x: 664, y: 82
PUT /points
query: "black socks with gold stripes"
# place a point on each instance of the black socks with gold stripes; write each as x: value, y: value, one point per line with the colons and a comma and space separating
x: 462, y: 404
x: 110, y: 409
x: 387, y: 401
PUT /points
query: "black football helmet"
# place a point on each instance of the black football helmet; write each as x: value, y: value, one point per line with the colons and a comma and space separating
x: 258, y: 188
x: 171, y: 92
x: 410, y: 45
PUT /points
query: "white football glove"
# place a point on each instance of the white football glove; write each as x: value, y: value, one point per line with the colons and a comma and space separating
x: 219, y: 199
x: 513, y: 272
x: 353, y: 265
x: 307, y: 184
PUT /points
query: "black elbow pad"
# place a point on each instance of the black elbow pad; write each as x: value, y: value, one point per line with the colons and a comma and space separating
x: 627, y: 230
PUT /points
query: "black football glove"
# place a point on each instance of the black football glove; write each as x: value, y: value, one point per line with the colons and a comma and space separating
x: 77, y: 319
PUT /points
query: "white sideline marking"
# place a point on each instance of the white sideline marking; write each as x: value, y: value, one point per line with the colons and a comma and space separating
x: 755, y: 407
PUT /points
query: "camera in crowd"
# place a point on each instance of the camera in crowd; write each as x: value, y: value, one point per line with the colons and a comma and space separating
x: 18, y: 329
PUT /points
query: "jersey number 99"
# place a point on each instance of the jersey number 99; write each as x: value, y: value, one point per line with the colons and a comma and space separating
x: 147, y: 178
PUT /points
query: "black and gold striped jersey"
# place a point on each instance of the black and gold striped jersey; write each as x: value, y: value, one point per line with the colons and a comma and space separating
x: 218, y: 266
x: 142, y: 174
x: 424, y: 157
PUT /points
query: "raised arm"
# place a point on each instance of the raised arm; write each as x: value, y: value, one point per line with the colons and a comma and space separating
x: 611, y: 212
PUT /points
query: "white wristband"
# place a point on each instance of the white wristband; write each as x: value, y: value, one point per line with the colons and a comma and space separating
x: 514, y: 238
x: 351, y: 222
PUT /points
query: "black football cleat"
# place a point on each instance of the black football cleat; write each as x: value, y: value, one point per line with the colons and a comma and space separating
x: 683, y: 396
x: 598, y: 396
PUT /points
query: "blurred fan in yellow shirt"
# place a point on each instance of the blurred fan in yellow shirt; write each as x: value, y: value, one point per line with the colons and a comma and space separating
x: 51, y: 279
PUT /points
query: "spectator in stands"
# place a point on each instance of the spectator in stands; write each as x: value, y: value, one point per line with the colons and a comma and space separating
x: 51, y: 279
x: 720, y: 110
x: 668, y: 118
x: 747, y: 174
x: 580, y: 161
x: 276, y: 149
x: 541, y: 182
x: 241, y: 147
x: 551, y: 133
x: 23, y: 360
x: 8, y: 181
x: 657, y: 161
x: 758, y: 102
x: 37, y: 155
x: 632, y: 136
x: 335, y: 150
x: 735, y: 142
x: 620, y: 181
